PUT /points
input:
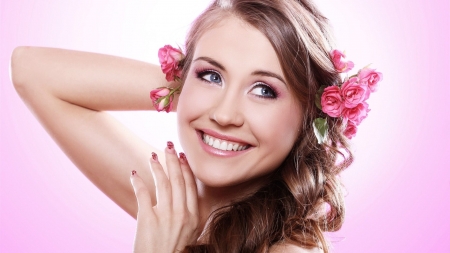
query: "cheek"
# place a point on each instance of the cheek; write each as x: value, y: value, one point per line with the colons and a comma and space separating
x: 194, y: 103
x: 196, y: 98
x: 279, y: 132
x: 278, y: 123
x: 187, y: 108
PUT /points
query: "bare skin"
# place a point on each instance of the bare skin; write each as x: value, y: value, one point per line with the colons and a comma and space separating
x: 69, y: 91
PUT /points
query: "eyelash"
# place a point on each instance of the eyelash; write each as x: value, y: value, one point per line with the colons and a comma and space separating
x: 263, y: 85
x: 200, y: 74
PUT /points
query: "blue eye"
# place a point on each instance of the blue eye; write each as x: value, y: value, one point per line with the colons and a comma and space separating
x: 264, y: 91
x: 210, y: 76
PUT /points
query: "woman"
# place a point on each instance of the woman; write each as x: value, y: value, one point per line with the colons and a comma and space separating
x: 250, y: 78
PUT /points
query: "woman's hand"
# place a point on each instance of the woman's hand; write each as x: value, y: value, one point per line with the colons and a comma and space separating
x: 172, y: 223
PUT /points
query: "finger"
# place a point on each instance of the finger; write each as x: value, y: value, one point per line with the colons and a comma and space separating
x: 144, y: 215
x: 162, y: 184
x: 142, y: 193
x: 175, y: 177
x: 191, y: 185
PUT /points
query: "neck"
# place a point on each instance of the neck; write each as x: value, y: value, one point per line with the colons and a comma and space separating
x: 211, y: 199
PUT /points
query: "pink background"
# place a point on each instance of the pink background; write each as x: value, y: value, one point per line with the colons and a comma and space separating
x: 398, y: 190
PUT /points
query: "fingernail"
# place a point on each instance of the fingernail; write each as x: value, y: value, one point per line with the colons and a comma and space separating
x: 133, y: 172
x: 170, y: 145
x: 154, y: 157
x: 183, y: 157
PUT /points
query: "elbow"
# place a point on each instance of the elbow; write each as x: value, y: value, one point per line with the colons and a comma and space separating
x: 17, y: 69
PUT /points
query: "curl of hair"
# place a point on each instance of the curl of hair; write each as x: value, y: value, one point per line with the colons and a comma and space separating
x: 285, y: 210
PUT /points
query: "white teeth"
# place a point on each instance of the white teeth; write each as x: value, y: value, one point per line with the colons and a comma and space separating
x: 216, y: 144
x: 221, y: 144
x: 210, y: 141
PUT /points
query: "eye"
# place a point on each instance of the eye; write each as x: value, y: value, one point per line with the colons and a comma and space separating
x: 210, y: 76
x: 264, y: 91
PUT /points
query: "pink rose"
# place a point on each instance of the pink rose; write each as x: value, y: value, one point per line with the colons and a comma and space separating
x: 370, y: 77
x: 340, y: 65
x: 357, y: 113
x: 169, y: 58
x: 350, y: 130
x: 331, y: 101
x: 353, y: 92
x: 162, y: 99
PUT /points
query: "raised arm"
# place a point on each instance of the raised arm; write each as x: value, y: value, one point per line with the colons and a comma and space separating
x: 69, y: 90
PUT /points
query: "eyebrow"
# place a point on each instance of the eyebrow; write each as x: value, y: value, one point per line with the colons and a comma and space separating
x: 256, y: 72
x: 269, y: 74
x: 211, y: 61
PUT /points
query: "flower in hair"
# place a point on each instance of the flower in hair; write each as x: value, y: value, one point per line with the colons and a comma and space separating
x: 350, y: 130
x: 370, y: 77
x: 331, y: 101
x: 353, y: 92
x: 357, y: 113
x: 340, y: 65
x: 170, y: 59
x: 346, y: 100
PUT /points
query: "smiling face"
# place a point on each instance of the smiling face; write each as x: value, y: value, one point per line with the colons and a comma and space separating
x: 237, y: 120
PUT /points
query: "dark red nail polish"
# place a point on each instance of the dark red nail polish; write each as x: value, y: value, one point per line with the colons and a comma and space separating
x: 183, y: 157
x: 133, y: 172
x: 154, y: 156
x: 170, y: 145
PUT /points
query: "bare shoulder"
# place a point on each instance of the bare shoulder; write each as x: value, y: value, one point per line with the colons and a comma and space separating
x: 292, y: 248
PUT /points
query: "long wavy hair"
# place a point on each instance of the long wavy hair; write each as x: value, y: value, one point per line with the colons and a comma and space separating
x: 289, y: 207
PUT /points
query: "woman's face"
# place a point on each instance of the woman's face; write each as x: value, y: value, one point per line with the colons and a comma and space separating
x: 237, y: 120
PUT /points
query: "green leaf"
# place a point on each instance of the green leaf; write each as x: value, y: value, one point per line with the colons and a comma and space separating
x: 321, y: 129
x: 319, y: 96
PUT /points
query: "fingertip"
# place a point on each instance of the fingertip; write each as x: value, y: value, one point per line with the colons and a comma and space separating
x: 170, y: 148
x: 154, y: 157
x: 182, y: 158
x: 133, y: 177
x: 133, y: 174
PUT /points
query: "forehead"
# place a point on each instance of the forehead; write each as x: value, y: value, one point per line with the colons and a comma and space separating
x: 238, y: 45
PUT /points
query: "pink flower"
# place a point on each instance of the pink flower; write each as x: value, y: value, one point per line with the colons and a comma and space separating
x: 370, y: 77
x: 162, y: 99
x: 350, y: 130
x: 340, y: 65
x: 354, y: 92
x: 331, y: 101
x: 169, y: 58
x: 357, y: 113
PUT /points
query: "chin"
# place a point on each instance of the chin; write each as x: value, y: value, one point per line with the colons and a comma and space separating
x: 215, y: 177
x: 226, y: 177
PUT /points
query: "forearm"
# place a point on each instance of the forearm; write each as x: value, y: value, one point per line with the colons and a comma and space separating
x: 94, y: 81
x: 68, y: 91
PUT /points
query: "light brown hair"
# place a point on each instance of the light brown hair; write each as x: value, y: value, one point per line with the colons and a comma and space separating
x: 282, y: 211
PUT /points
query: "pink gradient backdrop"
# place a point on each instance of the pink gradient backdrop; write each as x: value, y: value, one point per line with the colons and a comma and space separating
x: 398, y: 189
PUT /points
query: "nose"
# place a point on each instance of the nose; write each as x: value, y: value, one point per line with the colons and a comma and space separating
x: 227, y: 111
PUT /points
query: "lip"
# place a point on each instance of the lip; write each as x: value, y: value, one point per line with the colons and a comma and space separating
x: 217, y: 152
